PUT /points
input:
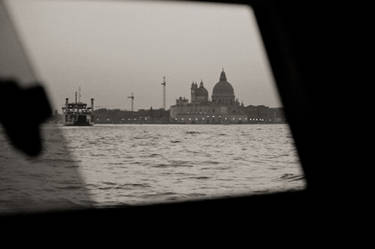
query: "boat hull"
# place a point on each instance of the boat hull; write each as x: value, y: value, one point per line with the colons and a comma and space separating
x: 78, y: 120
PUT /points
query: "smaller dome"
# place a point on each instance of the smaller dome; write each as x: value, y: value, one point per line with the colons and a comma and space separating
x: 201, y: 90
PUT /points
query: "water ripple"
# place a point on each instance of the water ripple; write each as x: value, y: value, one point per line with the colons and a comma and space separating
x: 132, y: 164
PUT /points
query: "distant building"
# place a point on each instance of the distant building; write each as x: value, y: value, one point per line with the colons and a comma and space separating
x: 223, y: 107
x: 265, y: 114
x: 142, y: 116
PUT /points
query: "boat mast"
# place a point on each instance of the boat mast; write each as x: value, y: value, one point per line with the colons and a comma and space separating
x: 79, y: 94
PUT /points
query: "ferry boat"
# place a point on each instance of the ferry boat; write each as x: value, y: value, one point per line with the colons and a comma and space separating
x: 77, y: 113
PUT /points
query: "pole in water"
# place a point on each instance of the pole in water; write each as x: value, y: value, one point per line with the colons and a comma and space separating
x: 131, y: 97
x: 164, y: 84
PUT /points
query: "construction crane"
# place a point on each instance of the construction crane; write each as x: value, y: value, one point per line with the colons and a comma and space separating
x: 131, y: 97
x: 164, y: 84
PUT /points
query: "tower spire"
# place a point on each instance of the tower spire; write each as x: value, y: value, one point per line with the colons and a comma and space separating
x: 223, y: 77
x: 201, y: 84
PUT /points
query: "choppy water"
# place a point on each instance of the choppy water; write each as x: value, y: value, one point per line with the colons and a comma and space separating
x: 137, y: 164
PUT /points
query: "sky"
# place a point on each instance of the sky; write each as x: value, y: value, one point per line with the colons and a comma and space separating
x: 111, y: 49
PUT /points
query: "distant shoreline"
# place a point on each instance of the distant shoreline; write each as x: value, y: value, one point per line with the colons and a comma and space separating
x: 172, y: 123
x: 264, y: 123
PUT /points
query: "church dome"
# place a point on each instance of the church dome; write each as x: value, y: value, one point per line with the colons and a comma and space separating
x: 223, y: 88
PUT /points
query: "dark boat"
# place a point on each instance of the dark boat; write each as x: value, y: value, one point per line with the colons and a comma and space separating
x: 77, y: 113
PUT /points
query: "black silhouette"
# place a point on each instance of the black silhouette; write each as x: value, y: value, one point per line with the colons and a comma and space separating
x: 22, y: 111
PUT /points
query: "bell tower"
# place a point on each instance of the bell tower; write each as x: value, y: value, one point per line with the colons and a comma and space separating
x: 194, y: 87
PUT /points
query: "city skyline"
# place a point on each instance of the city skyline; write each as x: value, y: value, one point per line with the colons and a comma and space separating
x: 131, y: 100
x: 132, y: 46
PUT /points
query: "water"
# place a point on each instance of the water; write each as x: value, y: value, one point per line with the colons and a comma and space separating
x: 137, y: 164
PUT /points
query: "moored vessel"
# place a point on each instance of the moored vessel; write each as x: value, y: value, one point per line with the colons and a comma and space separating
x: 78, y: 113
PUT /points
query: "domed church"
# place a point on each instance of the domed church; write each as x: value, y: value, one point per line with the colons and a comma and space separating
x: 223, y: 107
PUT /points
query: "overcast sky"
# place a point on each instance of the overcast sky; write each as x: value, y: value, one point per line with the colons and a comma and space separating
x: 113, y: 48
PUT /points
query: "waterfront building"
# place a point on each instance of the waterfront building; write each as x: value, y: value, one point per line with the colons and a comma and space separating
x: 222, y: 108
x: 141, y: 116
